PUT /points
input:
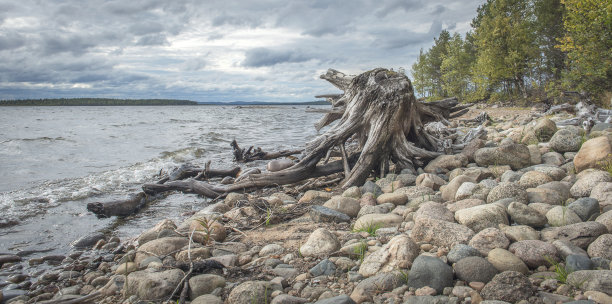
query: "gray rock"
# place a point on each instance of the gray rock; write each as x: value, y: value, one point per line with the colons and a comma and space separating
x: 371, y: 187
x: 602, y: 192
x: 461, y: 251
x: 341, y: 299
x: 398, y: 253
x: 586, y: 208
x: 320, y: 242
x: 325, y: 267
x: 440, y: 233
x: 504, y: 260
x: 597, y: 280
x: 449, y: 191
x: 481, y: 217
x: 475, y: 269
x: 587, y: 180
x: 488, y: 239
x: 507, y: 190
x: 519, y: 233
x: 509, y: 286
x: 150, y: 285
x: 553, y: 158
x: 435, y: 211
x: 602, y: 126
x: 561, y: 216
x: 580, y: 234
x: 160, y: 247
x: 445, y: 163
x: 373, y: 285
x: 378, y: 220
x: 601, y: 263
x: 566, y: 248
x: 525, y: 215
x: 575, y: 262
x: 511, y: 176
x: 534, y: 252
x: 554, y: 172
x: 249, y: 291
x: 346, y: 205
x: 532, y: 179
x: 88, y: 240
x: 514, y: 155
x: 606, y: 220
x: 271, y: 249
x: 568, y: 139
x: 430, y: 271
x: 544, y: 129
x: 323, y: 214
x: 601, y: 247
x: 204, y: 284
x: 207, y: 299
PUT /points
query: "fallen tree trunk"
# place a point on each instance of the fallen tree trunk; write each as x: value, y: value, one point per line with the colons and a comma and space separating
x: 187, y: 171
x: 250, y: 154
x: 119, y: 207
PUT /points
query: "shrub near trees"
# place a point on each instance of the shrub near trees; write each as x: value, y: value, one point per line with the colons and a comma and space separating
x: 520, y: 49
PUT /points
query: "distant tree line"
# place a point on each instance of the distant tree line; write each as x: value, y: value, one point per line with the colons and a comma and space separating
x: 94, y: 102
x: 519, y: 49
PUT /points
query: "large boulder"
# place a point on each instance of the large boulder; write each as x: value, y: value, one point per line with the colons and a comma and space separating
x: 601, y: 247
x: 587, y: 180
x: 509, y: 286
x: 603, y: 194
x: 251, y: 292
x: 596, y: 280
x: 204, y: 284
x: 320, y: 242
x: 399, y: 253
x: 380, y: 220
x: 434, y: 210
x: 507, y: 190
x: 593, y: 153
x: 514, y: 155
x: 484, y: 216
x: 475, y: 269
x: 440, y: 233
x: 449, y: 190
x: 544, y: 129
x: 489, y: 239
x: 580, y: 234
x: 382, y: 282
x: 430, y: 271
x: 152, y: 285
x: 534, y: 252
x: 504, y: 260
x: 524, y: 215
x: 568, y: 139
x: 160, y: 247
x: 346, y: 205
x: 445, y: 163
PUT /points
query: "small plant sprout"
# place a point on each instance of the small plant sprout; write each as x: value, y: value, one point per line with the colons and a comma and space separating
x: 360, y: 250
x: 370, y: 228
x: 561, y: 271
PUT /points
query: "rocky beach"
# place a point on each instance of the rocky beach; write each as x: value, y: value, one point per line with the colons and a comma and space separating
x: 521, y: 215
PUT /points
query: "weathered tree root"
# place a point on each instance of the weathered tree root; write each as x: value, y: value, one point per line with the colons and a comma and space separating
x: 250, y: 154
x: 379, y: 111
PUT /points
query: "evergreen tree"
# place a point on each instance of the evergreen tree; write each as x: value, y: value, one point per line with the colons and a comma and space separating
x: 588, y: 43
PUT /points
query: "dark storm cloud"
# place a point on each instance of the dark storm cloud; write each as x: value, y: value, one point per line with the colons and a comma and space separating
x: 214, y: 49
x: 263, y: 57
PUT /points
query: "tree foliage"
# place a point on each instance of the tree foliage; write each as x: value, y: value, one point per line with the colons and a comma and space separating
x: 521, y: 48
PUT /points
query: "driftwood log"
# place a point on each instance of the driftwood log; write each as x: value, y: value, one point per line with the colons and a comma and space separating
x: 118, y: 207
x: 379, y: 114
x: 250, y: 154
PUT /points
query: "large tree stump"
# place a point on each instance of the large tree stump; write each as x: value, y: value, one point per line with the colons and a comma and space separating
x: 379, y: 113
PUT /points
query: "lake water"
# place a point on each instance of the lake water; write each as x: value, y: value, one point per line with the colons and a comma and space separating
x: 55, y: 160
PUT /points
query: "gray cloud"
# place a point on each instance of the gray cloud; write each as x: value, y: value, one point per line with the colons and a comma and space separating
x: 262, y: 57
x: 209, y: 50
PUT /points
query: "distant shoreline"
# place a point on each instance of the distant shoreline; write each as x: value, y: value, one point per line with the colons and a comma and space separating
x: 143, y: 102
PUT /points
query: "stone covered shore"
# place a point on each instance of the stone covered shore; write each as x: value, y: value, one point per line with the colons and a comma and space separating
x: 522, y: 216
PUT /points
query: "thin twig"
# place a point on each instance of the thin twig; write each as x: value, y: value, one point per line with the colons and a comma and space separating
x: 82, y: 299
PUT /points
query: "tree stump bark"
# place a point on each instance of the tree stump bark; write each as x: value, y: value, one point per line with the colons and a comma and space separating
x: 380, y: 115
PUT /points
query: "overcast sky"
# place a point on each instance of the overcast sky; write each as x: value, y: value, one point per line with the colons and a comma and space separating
x: 268, y: 50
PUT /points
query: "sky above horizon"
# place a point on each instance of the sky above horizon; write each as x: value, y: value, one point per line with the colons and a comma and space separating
x: 270, y: 50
